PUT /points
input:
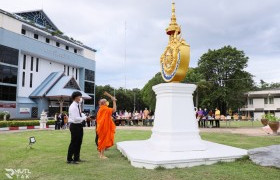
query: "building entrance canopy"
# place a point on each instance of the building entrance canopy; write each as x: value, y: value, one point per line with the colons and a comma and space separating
x: 58, y: 86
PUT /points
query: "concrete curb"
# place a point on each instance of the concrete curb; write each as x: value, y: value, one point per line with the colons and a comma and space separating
x: 24, y: 128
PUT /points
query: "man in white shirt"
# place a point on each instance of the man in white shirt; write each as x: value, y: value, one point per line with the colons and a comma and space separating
x: 76, y: 117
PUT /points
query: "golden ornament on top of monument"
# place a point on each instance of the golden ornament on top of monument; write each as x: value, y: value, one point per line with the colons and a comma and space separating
x: 176, y: 57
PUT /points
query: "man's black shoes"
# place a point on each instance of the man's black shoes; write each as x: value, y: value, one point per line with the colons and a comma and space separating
x: 72, y: 162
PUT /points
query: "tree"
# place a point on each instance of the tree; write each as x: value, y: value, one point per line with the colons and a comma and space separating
x: 225, y: 70
x: 264, y: 85
x: 194, y: 76
x: 126, y: 99
x: 147, y: 93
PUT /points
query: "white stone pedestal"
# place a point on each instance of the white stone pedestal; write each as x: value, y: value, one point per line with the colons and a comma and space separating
x: 43, y: 120
x: 175, y: 140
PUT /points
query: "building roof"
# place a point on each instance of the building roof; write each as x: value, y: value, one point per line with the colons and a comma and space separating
x: 264, y: 92
x: 46, y: 85
x: 40, y: 20
x: 58, y: 85
x: 65, y: 87
x: 39, y: 17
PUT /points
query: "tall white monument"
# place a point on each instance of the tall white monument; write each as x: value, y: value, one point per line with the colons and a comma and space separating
x: 175, y: 140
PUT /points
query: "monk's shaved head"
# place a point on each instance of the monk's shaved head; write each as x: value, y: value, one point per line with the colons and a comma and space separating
x: 103, y: 101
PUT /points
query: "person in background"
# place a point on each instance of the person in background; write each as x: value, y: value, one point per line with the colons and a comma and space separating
x: 211, y: 114
x: 217, y: 117
x: 141, y: 114
x: 88, y: 120
x: 125, y: 114
x: 205, y: 117
x: 57, y: 123
x: 151, y: 120
x: 130, y: 122
x: 62, y: 120
x: 65, y: 118
x: 199, y: 117
x: 146, y: 116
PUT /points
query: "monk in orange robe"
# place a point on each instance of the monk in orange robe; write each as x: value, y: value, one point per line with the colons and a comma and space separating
x: 105, y: 126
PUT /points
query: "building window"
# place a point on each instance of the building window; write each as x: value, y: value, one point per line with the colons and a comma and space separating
x: 8, y: 74
x: 8, y: 55
x: 67, y: 47
x: 73, y: 70
x: 271, y: 100
x: 47, y: 40
x: 64, y: 69
x: 89, y: 87
x: 8, y: 93
x: 57, y: 44
x: 23, y: 31
x: 68, y: 71
x: 37, y: 64
x: 90, y: 101
x: 31, y: 67
x: 31, y: 79
x: 89, y: 75
x: 75, y: 51
x: 76, y: 74
x: 36, y: 36
x: 23, y: 79
x: 24, y: 62
x: 265, y: 101
x: 251, y: 101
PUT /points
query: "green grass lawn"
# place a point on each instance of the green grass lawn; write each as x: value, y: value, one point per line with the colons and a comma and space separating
x: 241, y: 124
x: 47, y: 160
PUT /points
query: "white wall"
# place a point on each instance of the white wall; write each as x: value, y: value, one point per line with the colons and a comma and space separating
x: 88, y: 54
x: 10, y: 24
x: 277, y: 102
x: 258, y: 103
x: 46, y: 67
x: 258, y: 115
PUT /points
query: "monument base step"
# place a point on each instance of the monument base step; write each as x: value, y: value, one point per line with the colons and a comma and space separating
x: 140, y: 154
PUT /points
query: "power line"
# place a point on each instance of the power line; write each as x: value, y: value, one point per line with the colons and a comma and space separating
x: 223, y: 80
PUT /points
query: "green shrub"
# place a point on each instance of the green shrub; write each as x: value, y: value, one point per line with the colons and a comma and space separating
x: 3, y: 113
x: 271, y: 117
x: 23, y: 123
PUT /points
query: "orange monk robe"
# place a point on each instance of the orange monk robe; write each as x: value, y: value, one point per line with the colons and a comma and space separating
x: 105, y: 128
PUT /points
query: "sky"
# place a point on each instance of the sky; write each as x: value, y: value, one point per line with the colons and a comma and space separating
x: 252, y: 26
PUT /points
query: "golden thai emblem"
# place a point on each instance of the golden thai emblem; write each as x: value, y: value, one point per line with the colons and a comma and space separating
x: 176, y: 57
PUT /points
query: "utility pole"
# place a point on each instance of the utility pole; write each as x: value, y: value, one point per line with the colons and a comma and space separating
x: 134, y: 102
x: 196, y: 99
x: 125, y: 56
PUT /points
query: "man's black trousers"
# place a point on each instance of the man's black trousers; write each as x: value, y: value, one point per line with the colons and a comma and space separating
x: 76, y: 141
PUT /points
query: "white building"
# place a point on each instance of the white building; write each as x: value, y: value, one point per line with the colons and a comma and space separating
x: 35, y: 57
x: 262, y: 102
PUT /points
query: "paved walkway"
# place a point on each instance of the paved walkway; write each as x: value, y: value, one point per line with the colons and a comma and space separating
x: 245, y: 131
x: 258, y: 131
